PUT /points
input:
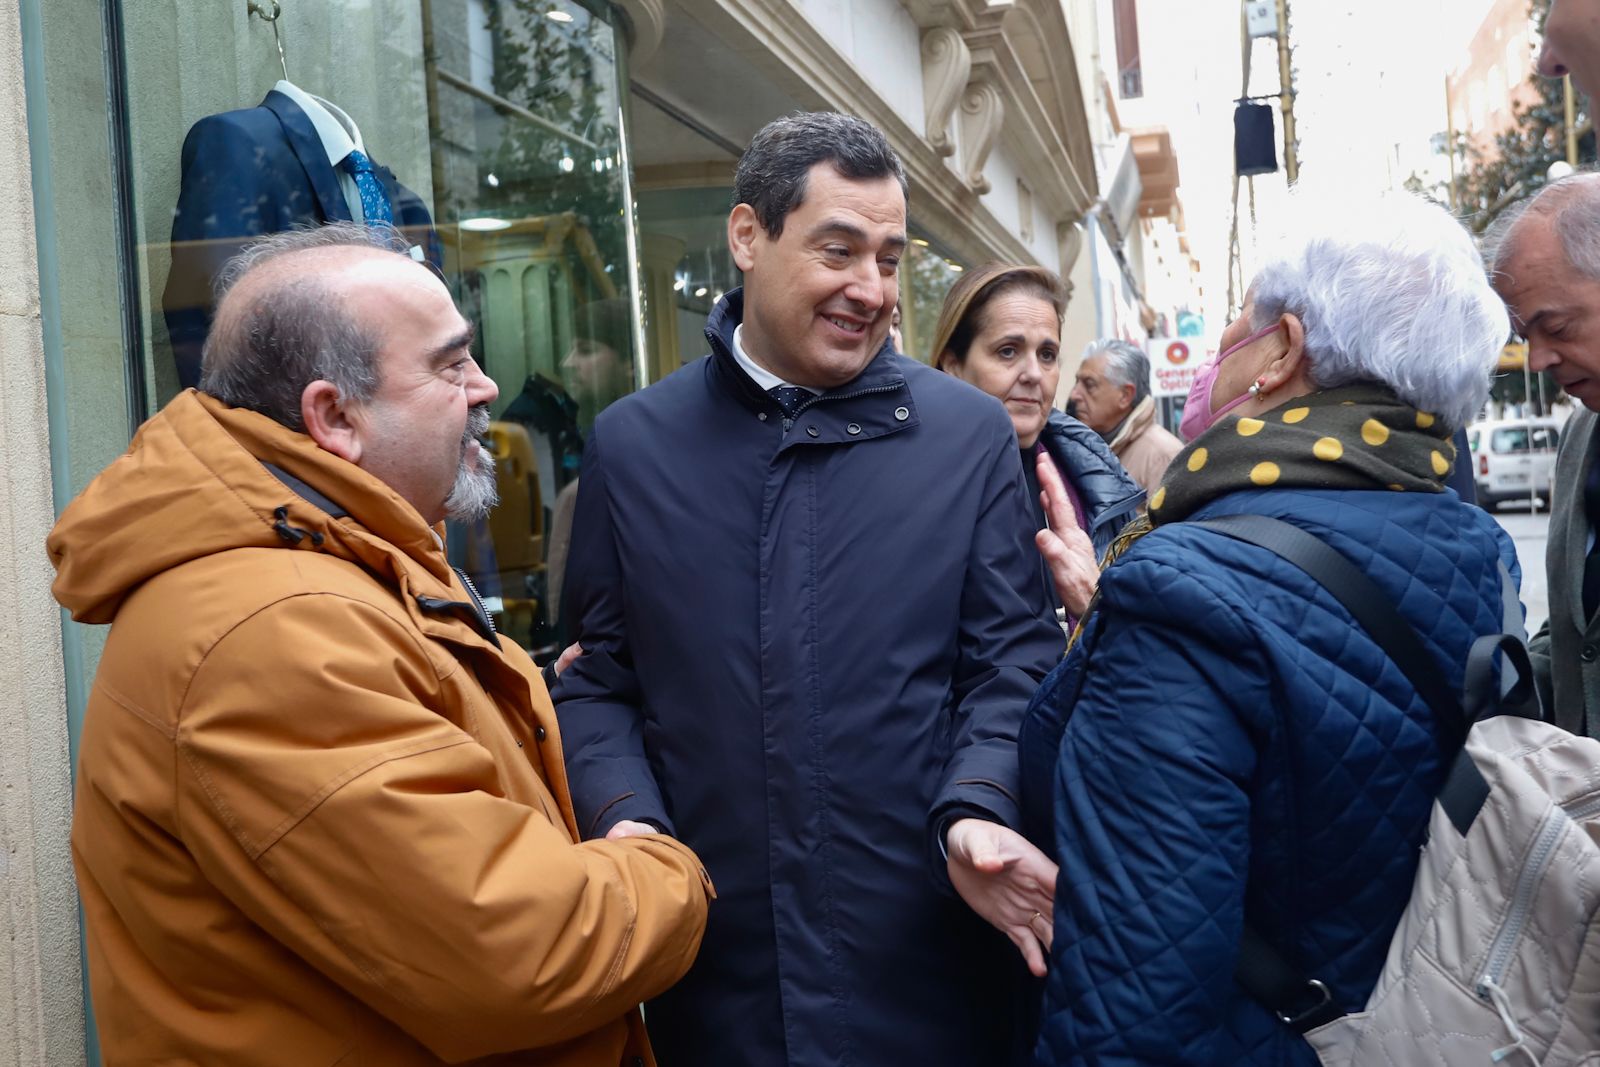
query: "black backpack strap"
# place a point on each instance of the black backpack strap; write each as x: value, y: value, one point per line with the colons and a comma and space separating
x: 1302, y: 1003
x: 1465, y: 789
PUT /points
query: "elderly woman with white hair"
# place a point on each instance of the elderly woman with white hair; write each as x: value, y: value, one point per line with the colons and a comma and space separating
x: 1224, y: 746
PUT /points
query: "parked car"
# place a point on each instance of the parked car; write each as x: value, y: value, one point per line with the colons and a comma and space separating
x: 1512, y: 459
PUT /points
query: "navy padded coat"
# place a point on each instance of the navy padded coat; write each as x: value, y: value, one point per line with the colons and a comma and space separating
x: 1237, y: 746
x: 803, y: 650
x: 1110, y: 497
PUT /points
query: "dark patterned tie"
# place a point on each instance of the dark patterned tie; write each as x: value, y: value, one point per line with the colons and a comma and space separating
x: 374, y: 202
x: 789, y: 398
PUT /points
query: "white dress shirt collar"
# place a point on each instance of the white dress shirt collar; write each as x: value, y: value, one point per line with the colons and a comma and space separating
x: 763, y: 377
x: 335, y: 129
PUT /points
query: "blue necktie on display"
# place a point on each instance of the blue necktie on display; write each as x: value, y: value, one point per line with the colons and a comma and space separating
x: 374, y: 203
x: 789, y: 398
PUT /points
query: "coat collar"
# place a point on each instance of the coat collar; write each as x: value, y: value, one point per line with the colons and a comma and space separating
x: 881, y: 377
x: 1107, y: 491
x: 1135, y: 423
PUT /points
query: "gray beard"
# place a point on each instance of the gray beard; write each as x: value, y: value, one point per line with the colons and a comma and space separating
x: 474, y: 491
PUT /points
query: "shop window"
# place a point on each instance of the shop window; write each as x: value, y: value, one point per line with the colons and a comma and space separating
x: 927, y: 274
x: 496, y: 132
x: 687, y: 268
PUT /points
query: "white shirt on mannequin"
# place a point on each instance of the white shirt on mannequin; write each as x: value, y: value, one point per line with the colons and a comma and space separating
x: 339, y: 135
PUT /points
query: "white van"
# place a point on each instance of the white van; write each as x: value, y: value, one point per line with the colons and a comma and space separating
x: 1512, y: 459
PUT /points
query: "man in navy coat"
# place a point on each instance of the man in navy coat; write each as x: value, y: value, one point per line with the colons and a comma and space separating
x: 806, y: 588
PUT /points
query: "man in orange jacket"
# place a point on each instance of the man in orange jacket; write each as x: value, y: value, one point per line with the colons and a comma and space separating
x: 321, y: 813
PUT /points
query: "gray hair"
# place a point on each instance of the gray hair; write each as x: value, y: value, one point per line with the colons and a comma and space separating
x: 771, y: 176
x: 262, y: 355
x: 1391, y: 290
x: 1126, y: 364
x: 1573, y: 206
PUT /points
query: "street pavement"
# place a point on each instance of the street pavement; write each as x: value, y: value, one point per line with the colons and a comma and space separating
x: 1528, y: 530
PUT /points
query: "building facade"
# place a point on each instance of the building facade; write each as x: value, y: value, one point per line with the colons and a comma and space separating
x: 1493, y: 77
x: 565, y: 163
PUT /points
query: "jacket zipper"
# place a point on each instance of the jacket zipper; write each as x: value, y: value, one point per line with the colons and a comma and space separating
x: 477, y: 601
x: 1554, y: 823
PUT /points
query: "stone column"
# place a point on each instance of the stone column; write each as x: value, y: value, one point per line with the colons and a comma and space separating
x: 41, y: 1001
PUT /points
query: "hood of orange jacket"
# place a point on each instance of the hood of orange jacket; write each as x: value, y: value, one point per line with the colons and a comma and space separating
x: 196, y: 482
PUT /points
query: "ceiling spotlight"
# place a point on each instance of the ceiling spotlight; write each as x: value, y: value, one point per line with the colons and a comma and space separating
x: 700, y: 291
x: 557, y: 16
x: 921, y: 241
x: 494, y: 182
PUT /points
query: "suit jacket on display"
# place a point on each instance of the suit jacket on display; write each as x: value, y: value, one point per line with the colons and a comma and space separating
x: 246, y: 173
x: 1566, y: 652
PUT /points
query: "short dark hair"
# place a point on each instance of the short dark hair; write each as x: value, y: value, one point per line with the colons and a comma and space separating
x: 771, y: 176
x: 262, y: 356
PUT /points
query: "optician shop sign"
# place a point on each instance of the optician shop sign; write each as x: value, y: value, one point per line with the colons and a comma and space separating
x: 1174, y: 361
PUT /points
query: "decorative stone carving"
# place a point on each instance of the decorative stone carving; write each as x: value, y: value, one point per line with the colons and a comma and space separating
x: 646, y: 23
x: 982, y: 113
x: 1069, y: 236
x: 946, y: 65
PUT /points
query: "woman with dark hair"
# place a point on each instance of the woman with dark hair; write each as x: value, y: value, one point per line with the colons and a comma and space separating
x: 1000, y: 330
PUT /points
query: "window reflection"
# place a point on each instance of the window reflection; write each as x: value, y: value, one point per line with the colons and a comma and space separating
x: 492, y: 132
x: 927, y: 274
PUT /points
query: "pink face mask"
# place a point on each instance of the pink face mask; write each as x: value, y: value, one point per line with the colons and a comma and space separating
x: 1197, y: 414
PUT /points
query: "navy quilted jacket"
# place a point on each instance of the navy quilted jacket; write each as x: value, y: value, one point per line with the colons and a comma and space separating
x: 1237, y: 747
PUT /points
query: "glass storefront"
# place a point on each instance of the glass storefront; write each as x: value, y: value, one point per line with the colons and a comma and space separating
x: 926, y: 274
x: 496, y: 132
x: 500, y: 136
x: 687, y: 228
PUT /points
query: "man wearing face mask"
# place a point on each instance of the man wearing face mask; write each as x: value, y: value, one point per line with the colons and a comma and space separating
x: 1226, y: 704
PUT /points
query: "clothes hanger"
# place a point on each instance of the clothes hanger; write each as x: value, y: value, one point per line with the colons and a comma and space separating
x: 259, y: 8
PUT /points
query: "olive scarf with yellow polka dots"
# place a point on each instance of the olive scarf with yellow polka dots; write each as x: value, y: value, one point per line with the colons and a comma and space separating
x: 1358, y: 436
x: 1353, y: 437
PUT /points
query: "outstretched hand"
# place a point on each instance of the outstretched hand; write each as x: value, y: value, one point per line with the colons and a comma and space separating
x: 1007, y: 881
x: 568, y: 654
x: 1066, y: 549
